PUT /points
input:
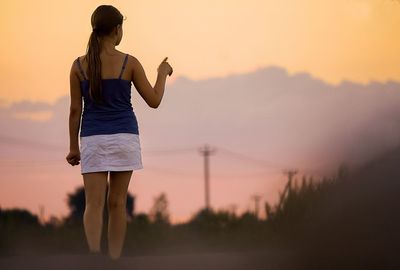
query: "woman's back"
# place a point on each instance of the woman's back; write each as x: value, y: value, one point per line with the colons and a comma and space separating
x: 111, y: 65
x: 115, y: 114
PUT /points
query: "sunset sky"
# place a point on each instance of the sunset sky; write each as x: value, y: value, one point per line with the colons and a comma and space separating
x: 332, y: 40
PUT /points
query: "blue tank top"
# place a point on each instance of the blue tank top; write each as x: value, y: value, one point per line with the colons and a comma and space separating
x: 116, y: 115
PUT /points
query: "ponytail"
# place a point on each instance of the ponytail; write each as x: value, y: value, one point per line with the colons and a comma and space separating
x: 104, y: 20
x: 94, y: 68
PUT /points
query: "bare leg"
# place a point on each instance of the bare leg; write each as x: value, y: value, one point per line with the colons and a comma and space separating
x: 117, y: 195
x: 95, y: 188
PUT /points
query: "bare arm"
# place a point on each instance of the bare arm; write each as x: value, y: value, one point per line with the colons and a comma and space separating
x: 152, y: 96
x: 75, y: 109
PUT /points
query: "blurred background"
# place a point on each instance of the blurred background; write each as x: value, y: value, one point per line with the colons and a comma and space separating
x: 267, y: 97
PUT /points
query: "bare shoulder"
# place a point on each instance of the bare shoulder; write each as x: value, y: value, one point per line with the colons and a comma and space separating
x: 82, y: 58
x: 135, y: 66
x: 74, y: 64
x: 132, y: 59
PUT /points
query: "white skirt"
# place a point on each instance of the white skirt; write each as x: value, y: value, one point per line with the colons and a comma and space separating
x: 110, y: 152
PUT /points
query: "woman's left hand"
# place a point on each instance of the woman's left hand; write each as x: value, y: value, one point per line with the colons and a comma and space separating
x: 74, y: 157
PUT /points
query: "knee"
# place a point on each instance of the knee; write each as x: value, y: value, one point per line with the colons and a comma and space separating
x: 95, y: 204
x: 116, y: 202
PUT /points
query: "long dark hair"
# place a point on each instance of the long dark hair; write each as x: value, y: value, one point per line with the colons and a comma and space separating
x: 104, y: 19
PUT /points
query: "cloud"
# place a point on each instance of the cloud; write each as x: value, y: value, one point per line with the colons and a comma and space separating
x: 285, y: 119
x: 29, y: 106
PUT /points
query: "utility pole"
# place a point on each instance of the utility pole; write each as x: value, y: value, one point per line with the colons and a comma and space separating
x: 256, y: 199
x: 232, y: 208
x: 206, y: 151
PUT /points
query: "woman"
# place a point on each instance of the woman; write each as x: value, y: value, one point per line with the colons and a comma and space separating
x: 109, y: 135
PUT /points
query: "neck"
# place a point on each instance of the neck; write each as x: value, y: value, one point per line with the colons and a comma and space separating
x: 108, y: 46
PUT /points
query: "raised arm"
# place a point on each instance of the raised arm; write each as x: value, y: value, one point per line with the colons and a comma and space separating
x: 151, y: 95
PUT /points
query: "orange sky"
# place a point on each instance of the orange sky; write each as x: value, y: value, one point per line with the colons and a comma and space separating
x: 356, y: 40
x: 333, y: 40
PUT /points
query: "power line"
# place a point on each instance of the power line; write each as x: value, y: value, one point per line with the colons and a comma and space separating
x: 161, y: 152
x: 241, y: 175
x: 241, y: 156
x: 169, y: 171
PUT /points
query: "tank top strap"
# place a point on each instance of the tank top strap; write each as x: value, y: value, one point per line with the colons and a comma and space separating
x: 80, y: 67
x: 123, y: 66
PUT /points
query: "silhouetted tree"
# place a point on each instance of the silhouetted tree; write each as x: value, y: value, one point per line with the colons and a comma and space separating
x: 76, y: 202
x: 210, y: 220
x: 141, y: 220
x: 298, y: 208
x: 248, y: 218
x: 268, y: 210
x: 53, y: 222
x: 159, y: 211
x: 11, y: 218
